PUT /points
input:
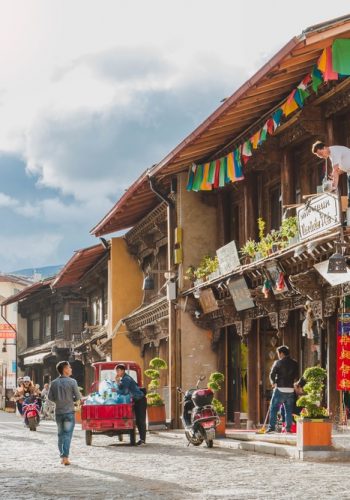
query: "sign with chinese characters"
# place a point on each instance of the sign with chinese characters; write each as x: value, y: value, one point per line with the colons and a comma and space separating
x: 240, y: 294
x: 208, y: 301
x: 318, y: 215
x: 228, y: 257
x: 343, y: 352
x: 6, y: 332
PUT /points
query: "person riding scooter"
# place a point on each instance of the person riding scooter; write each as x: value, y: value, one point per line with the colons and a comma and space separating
x: 25, y: 390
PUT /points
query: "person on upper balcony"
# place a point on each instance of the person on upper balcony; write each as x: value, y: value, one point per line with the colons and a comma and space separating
x: 340, y: 158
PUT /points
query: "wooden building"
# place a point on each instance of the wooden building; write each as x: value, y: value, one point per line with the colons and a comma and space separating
x: 204, y: 327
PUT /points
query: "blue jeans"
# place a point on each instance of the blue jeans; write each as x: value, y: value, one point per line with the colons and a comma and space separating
x: 278, y: 398
x: 65, y: 426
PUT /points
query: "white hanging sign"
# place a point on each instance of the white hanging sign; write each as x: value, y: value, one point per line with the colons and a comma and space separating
x: 319, y: 215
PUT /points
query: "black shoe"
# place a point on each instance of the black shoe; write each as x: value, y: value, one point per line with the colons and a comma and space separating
x: 270, y: 431
x: 140, y: 442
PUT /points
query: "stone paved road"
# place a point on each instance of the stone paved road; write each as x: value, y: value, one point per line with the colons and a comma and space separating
x: 164, y: 469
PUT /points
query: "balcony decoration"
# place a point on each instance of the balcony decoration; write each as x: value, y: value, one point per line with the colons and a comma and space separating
x: 314, y: 428
x: 155, y: 404
x: 271, y: 242
x: 206, y: 267
x: 214, y: 383
x: 333, y: 62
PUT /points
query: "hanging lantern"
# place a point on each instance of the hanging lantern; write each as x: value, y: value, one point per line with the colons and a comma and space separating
x: 337, y: 264
x: 148, y: 283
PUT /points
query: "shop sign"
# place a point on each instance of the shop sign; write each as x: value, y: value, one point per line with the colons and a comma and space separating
x: 318, y: 215
x: 208, y: 301
x: 343, y: 352
x: 228, y: 258
x: 240, y: 294
x: 6, y: 332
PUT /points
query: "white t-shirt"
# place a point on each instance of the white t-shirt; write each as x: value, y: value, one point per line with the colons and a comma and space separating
x: 340, y: 155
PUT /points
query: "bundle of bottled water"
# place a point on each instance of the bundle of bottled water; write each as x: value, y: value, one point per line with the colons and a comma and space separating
x: 107, y: 395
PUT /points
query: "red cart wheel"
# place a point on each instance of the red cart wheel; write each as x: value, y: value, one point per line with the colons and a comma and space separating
x: 88, y: 437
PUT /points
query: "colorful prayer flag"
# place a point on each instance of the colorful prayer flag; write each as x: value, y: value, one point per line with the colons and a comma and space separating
x: 290, y: 105
x: 341, y: 56
x: 222, y: 178
x: 326, y: 66
x: 198, y: 178
x: 190, y: 177
x: 230, y: 167
x: 205, y: 186
x: 211, y: 176
x: 277, y: 116
x: 317, y: 79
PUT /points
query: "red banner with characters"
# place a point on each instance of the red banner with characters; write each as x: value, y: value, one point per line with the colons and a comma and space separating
x: 6, y: 332
x: 343, y: 352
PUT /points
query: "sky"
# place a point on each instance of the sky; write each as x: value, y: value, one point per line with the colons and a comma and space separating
x: 94, y: 92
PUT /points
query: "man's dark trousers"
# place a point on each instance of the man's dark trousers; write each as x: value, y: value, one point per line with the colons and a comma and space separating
x: 140, y: 407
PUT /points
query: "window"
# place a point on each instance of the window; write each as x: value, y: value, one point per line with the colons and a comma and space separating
x: 235, y: 225
x: 96, y: 311
x: 34, y: 328
x: 47, y: 325
x: 275, y: 207
x: 59, y: 322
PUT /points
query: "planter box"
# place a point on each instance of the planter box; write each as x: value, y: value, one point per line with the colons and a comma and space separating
x: 156, y: 416
x: 221, y: 428
x: 314, y: 434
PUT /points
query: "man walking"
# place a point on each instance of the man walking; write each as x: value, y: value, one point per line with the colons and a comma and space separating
x: 283, y: 374
x: 127, y: 385
x: 64, y: 392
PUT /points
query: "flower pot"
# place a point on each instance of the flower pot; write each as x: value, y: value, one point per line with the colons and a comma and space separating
x: 156, y: 416
x: 221, y: 428
x: 314, y: 434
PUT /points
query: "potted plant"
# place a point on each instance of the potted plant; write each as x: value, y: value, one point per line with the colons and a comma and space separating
x: 248, y: 250
x: 289, y: 230
x: 314, y: 428
x: 214, y: 383
x: 155, y: 404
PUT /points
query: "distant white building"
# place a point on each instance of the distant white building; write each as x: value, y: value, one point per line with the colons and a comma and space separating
x: 9, y: 285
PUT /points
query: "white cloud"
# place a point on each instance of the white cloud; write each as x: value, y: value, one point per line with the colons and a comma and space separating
x: 30, y: 250
x: 7, y: 201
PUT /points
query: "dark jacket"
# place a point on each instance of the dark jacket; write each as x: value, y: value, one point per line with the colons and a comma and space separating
x: 127, y: 385
x: 284, y: 372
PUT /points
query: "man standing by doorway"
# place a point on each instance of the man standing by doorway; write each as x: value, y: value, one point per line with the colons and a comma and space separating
x: 340, y: 158
x: 284, y: 373
x: 64, y: 392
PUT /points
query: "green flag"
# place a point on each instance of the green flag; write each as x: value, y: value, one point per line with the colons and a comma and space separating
x: 341, y: 56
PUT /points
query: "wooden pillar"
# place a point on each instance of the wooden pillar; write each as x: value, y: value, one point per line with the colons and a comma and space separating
x: 287, y: 179
x: 172, y: 339
x: 250, y: 207
x: 224, y: 218
x: 253, y: 375
x: 330, y: 132
x: 332, y: 394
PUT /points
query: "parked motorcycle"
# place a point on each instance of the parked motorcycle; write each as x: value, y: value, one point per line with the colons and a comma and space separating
x: 31, y: 411
x: 198, y: 415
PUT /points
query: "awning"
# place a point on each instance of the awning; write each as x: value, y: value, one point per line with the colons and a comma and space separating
x: 36, y: 359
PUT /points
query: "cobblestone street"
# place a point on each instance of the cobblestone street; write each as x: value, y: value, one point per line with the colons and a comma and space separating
x: 164, y: 469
